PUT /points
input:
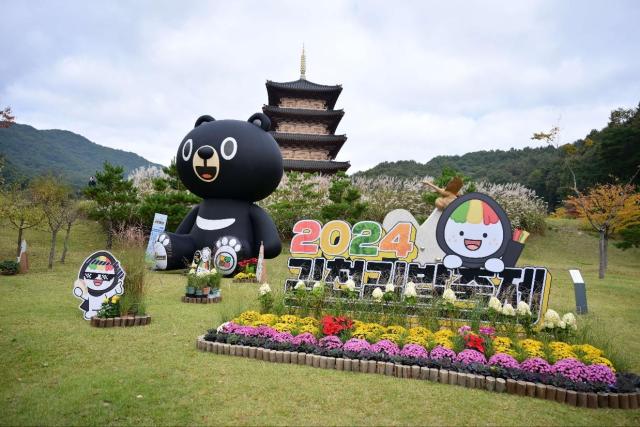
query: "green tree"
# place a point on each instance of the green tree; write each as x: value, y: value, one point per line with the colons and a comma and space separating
x: 169, y: 197
x: 55, y: 201
x: 114, y: 199
x: 18, y: 206
x: 71, y: 215
x: 344, y: 200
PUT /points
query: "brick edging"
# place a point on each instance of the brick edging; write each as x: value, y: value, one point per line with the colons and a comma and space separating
x: 244, y: 281
x: 499, y: 385
x: 191, y: 300
x: 120, y: 321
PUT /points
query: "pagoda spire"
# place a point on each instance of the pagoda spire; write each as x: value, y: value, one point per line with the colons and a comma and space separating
x: 303, y: 65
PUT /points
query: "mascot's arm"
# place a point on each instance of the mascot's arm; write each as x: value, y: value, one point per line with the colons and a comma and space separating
x: 187, y: 223
x: 265, y: 231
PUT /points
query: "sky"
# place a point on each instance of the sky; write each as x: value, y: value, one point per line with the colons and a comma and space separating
x: 420, y: 79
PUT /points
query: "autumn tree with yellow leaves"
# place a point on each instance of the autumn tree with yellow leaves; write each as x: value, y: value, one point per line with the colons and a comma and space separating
x: 607, y: 208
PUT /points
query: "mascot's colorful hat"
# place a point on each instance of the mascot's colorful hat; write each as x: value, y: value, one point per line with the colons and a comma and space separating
x: 475, y: 211
x: 101, y: 263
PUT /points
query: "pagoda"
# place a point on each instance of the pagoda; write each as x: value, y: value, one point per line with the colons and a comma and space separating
x: 303, y: 122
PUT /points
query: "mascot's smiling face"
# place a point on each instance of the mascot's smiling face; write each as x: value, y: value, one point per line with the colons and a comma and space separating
x: 99, y: 273
x: 474, y: 227
x: 230, y: 159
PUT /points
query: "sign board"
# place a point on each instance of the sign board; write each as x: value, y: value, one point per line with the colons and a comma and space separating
x: 473, y: 232
x: 159, y: 225
x: 100, y: 276
x: 580, y: 291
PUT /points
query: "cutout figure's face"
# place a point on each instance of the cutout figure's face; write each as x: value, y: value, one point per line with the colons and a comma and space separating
x: 206, y: 254
x: 98, y: 276
x: 474, y: 230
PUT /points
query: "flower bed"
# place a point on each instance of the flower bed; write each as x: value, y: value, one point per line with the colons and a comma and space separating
x: 201, y: 300
x: 110, y: 322
x: 579, y: 368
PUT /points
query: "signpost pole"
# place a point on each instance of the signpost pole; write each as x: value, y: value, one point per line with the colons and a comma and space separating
x: 580, y: 290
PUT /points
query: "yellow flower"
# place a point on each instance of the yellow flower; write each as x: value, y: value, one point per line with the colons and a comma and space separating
x: 289, y: 318
x: 603, y: 361
x: 391, y: 337
x: 284, y: 327
x: 308, y: 321
x: 308, y: 328
x: 443, y: 341
x: 396, y: 330
x: 247, y: 318
x: 105, y: 300
x: 503, y: 345
x: 533, y: 348
x: 114, y: 299
x: 444, y: 333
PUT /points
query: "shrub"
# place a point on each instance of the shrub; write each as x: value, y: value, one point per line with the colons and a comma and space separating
x: 9, y: 267
x: 131, y: 245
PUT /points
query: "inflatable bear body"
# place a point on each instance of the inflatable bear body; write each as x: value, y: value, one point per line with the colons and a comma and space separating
x: 230, y: 164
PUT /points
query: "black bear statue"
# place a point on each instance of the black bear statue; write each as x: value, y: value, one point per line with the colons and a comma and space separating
x: 231, y: 164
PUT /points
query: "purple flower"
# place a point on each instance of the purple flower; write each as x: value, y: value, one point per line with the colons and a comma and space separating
x: 488, y: 331
x: 356, y: 345
x: 570, y: 368
x: 386, y: 346
x: 440, y: 353
x: 504, y: 360
x: 304, y: 338
x: 415, y: 351
x: 600, y: 374
x: 330, y: 342
x: 266, y: 332
x: 463, y: 330
x: 537, y: 365
x: 282, y: 337
x: 469, y: 356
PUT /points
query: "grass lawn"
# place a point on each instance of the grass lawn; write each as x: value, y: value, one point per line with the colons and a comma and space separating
x: 56, y: 369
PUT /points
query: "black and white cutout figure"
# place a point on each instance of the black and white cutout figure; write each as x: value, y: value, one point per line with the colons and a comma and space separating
x: 100, y: 276
x: 474, y: 232
x: 230, y: 164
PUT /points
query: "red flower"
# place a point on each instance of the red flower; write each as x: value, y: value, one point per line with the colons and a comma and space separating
x: 333, y: 325
x: 475, y: 342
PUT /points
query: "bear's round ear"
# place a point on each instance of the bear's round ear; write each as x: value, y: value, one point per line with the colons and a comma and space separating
x: 204, y: 119
x: 260, y: 120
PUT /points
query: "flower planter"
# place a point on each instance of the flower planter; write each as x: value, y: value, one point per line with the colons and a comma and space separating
x: 201, y: 300
x: 120, y: 321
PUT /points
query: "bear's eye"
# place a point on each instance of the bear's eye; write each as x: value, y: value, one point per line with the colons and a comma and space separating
x: 228, y: 148
x: 462, y: 233
x: 484, y: 234
x: 186, y: 150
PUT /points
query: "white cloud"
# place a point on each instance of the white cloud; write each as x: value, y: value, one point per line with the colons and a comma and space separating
x: 420, y: 78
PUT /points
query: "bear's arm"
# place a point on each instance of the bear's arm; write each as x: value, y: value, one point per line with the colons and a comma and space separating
x: 187, y: 223
x: 265, y: 231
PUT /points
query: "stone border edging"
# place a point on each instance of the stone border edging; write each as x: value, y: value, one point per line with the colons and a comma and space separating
x: 244, y: 281
x: 499, y: 385
x: 120, y: 321
x: 207, y: 300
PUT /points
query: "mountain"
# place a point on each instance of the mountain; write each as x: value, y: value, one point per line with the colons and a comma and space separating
x: 29, y: 152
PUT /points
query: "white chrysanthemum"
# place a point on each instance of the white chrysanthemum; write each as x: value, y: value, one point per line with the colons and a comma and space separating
x: 213, y: 271
x: 221, y: 327
x: 494, y: 303
x: 265, y: 289
x: 507, y: 309
x: 523, y: 309
x: 570, y: 320
x: 351, y: 285
x: 377, y: 294
x: 389, y: 287
x: 552, y: 317
x: 562, y: 324
x: 448, y: 295
x: 300, y: 285
x: 318, y: 285
x: 410, y: 290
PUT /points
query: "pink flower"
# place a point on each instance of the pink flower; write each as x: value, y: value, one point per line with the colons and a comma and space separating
x: 415, y: 351
x: 440, y: 353
x: 469, y: 356
x: 504, y: 360
x: 385, y: 346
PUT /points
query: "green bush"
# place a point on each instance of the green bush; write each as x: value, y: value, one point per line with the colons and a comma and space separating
x: 9, y: 267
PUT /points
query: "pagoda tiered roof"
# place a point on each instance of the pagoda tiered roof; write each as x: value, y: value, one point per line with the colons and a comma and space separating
x: 302, y: 88
x: 329, y: 117
x: 323, y: 166
x: 331, y: 143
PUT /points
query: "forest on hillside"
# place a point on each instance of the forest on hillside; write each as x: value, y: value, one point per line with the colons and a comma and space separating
x: 602, y: 156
